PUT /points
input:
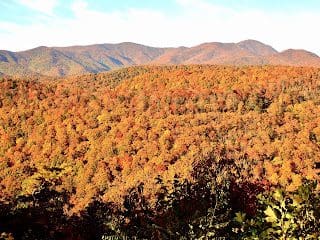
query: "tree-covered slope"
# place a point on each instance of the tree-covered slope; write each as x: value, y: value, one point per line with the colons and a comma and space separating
x: 99, y: 135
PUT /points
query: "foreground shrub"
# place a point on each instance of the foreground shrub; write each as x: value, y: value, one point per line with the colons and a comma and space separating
x: 183, y: 209
x: 284, y: 215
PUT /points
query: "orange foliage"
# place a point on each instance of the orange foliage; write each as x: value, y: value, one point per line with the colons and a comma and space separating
x: 99, y: 135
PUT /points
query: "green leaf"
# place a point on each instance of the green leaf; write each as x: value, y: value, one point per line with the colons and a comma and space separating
x: 286, y: 226
x: 271, y: 215
x: 289, y: 216
x: 277, y: 195
x: 240, y: 217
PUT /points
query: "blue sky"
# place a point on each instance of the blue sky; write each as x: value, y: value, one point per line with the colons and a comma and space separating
x: 283, y: 24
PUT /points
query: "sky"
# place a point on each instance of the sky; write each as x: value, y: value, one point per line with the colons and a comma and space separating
x: 283, y: 24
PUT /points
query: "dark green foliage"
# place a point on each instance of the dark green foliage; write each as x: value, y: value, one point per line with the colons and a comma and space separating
x: 283, y: 215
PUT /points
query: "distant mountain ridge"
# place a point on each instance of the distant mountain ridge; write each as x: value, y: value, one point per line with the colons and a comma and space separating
x: 75, y: 60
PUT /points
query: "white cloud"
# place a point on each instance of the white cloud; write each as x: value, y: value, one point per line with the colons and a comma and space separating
x: 43, y: 6
x: 197, y: 21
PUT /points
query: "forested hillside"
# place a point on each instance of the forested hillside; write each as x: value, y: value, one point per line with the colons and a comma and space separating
x: 76, y: 60
x: 95, y: 138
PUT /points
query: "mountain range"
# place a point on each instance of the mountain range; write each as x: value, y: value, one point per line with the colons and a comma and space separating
x: 75, y: 60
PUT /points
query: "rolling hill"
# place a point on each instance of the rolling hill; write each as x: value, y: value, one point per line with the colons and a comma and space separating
x: 76, y: 60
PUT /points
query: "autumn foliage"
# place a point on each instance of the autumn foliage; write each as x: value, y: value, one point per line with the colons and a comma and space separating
x: 97, y: 136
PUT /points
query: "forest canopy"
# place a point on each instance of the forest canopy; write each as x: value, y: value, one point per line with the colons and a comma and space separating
x: 97, y: 136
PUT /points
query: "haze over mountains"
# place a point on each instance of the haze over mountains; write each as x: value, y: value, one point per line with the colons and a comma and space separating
x: 63, y: 61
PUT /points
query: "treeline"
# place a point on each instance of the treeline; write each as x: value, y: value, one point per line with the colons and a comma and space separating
x: 94, y: 138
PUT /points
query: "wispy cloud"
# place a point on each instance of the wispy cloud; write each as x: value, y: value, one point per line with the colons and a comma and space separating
x: 43, y: 6
x: 195, y: 21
